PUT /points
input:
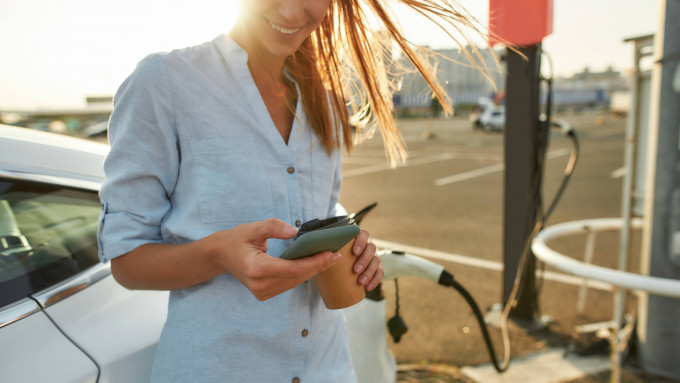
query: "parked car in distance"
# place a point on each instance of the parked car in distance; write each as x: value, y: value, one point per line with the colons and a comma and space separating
x: 492, y: 119
x: 489, y: 116
x: 63, y: 318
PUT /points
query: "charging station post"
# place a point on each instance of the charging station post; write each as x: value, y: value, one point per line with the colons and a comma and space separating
x: 523, y: 25
x: 658, y: 330
x: 522, y: 132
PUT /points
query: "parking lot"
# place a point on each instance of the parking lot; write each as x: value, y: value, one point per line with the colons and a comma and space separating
x: 448, y: 198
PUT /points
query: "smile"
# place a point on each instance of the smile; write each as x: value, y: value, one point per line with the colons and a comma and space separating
x: 285, y: 31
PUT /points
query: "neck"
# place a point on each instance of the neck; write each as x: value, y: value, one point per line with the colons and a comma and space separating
x: 260, y: 62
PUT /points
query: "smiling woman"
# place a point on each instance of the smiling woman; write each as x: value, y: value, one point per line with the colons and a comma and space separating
x: 220, y: 150
x: 57, y: 52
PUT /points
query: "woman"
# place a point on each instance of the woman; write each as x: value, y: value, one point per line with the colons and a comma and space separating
x: 217, y: 152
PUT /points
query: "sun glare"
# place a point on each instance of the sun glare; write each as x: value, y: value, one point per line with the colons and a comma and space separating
x: 65, y: 50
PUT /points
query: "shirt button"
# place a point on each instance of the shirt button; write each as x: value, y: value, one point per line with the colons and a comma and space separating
x: 291, y: 170
x: 296, y: 380
x: 298, y: 223
x: 305, y: 332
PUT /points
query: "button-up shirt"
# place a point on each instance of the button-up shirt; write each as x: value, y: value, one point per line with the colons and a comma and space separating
x: 194, y: 151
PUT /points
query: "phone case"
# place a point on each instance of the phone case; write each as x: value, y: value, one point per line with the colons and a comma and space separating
x: 312, y: 242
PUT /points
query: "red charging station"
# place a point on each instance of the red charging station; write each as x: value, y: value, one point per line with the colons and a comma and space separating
x: 520, y: 22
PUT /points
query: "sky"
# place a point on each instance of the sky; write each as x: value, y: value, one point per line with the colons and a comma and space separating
x: 55, y: 52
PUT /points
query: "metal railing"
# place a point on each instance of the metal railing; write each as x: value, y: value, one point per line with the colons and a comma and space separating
x: 620, y: 279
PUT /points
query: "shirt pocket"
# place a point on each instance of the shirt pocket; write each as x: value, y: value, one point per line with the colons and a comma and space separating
x: 232, y: 183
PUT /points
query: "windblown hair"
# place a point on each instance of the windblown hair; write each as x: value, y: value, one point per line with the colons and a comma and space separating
x: 342, y: 68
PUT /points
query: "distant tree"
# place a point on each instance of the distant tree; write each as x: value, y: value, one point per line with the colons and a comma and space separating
x: 435, y: 107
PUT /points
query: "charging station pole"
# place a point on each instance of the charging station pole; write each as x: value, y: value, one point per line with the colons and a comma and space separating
x: 522, y: 130
x: 658, y: 329
x: 522, y: 24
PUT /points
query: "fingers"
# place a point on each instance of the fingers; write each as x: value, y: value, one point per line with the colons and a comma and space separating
x: 318, y: 262
x: 364, y: 250
x: 272, y: 228
x: 360, y: 242
x: 371, y: 277
x: 368, y: 264
x: 274, y: 276
x: 302, y: 269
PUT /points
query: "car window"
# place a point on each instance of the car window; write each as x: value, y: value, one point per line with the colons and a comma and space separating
x: 47, y: 234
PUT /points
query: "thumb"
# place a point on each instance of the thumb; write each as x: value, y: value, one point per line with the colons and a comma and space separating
x: 274, y: 228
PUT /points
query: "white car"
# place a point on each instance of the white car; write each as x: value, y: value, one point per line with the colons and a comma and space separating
x: 488, y: 115
x: 492, y: 119
x: 63, y: 318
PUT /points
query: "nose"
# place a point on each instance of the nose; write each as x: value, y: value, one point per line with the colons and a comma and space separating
x: 292, y: 10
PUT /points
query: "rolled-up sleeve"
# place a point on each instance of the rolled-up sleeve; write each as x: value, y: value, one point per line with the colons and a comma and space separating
x: 142, y: 166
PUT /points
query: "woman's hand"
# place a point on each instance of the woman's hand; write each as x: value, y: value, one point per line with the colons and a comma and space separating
x: 368, y: 264
x: 242, y: 252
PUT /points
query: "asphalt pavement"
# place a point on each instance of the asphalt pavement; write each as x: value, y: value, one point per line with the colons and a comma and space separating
x: 446, y: 203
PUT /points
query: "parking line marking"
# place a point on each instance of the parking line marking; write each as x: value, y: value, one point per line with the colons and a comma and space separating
x: 386, y: 166
x: 471, y: 174
x: 486, y: 264
x: 412, y: 162
x: 491, y: 169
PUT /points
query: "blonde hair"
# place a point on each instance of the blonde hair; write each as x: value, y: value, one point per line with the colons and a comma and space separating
x: 342, y: 69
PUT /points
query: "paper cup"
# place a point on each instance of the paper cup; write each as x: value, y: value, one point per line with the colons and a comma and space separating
x: 339, y: 286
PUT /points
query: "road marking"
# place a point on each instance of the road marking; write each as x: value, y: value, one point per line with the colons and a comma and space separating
x: 486, y: 264
x: 491, y: 169
x: 386, y: 166
x: 413, y: 162
x: 618, y: 173
x: 471, y: 174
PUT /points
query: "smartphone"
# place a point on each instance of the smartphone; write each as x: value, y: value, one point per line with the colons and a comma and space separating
x: 316, y: 241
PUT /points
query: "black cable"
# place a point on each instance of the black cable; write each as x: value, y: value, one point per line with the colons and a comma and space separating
x: 569, y: 170
x: 542, y: 148
x: 446, y: 279
x: 396, y: 294
x: 396, y: 326
x: 540, y: 218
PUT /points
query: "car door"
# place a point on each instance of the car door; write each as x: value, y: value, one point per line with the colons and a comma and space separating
x: 36, y: 223
x: 35, y: 350
x: 63, y: 317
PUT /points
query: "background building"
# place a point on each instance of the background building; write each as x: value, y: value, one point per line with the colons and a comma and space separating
x: 466, y: 85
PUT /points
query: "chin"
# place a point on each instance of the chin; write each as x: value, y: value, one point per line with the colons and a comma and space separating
x: 284, y: 50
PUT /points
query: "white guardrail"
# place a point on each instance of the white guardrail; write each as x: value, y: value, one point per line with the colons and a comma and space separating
x: 651, y: 284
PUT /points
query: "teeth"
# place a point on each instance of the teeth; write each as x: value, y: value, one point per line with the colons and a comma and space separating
x: 284, y: 30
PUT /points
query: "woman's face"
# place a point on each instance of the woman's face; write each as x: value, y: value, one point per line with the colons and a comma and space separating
x: 279, y: 27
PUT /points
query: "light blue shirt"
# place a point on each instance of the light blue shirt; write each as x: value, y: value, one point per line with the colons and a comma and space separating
x: 194, y: 151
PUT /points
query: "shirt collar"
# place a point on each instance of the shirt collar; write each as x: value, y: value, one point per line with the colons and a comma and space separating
x: 230, y: 50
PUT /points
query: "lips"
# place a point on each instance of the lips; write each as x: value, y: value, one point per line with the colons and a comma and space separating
x: 285, y: 31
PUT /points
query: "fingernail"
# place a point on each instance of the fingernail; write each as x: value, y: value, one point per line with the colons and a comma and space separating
x: 290, y: 230
x: 358, y: 268
x: 356, y: 250
x: 363, y: 280
x: 336, y: 256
